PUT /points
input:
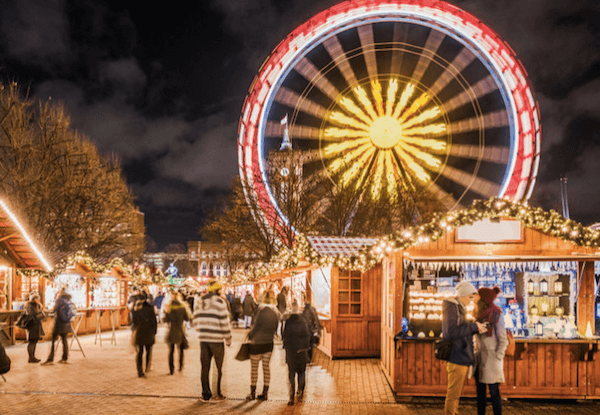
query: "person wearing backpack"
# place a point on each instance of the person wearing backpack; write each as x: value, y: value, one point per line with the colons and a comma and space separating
x: 63, y: 314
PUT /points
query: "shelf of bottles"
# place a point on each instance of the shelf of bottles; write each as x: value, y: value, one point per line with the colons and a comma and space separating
x: 105, y: 292
x: 74, y: 284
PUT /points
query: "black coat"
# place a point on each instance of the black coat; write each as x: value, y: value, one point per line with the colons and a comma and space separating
x: 237, y: 310
x: 296, y: 342
x: 175, y: 314
x: 144, y: 323
x: 250, y: 305
x: 35, y: 329
x: 61, y: 327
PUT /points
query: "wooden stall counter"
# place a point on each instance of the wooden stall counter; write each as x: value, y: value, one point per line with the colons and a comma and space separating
x: 549, y: 368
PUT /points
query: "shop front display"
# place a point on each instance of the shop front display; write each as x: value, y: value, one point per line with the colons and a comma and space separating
x: 75, y: 285
x: 547, y: 297
x: 106, y: 292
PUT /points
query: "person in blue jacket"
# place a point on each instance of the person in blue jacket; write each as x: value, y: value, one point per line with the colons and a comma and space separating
x: 459, y: 331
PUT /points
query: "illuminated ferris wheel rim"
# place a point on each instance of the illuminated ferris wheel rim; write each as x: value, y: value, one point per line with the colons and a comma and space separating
x: 485, y: 44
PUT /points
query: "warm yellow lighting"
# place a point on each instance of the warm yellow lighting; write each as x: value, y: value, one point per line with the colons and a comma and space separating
x: 385, y: 132
x: 381, y: 141
x: 26, y: 236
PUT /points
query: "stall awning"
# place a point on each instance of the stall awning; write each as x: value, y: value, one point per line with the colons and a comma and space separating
x: 339, y: 245
x: 17, y: 242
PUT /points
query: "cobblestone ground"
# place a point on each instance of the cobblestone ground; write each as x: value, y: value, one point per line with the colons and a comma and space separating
x: 106, y: 382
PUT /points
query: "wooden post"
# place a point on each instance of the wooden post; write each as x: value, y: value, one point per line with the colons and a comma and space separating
x: 585, y: 299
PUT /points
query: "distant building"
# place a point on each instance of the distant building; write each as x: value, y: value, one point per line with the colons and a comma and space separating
x: 213, y: 259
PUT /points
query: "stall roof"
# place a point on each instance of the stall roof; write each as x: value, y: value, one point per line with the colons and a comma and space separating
x: 15, y: 239
x: 339, y: 245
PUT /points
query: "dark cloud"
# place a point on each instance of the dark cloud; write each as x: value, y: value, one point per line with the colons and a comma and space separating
x: 163, y: 86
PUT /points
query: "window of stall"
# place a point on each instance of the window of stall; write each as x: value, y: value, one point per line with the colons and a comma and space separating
x: 5, y: 286
x: 75, y: 285
x: 321, y: 291
x: 105, y: 291
x: 349, y: 293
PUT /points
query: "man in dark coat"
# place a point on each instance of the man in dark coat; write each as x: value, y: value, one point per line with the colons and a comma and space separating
x: 144, y: 327
x: 296, y: 342
x: 459, y: 331
x: 35, y: 311
x: 314, y: 326
x: 237, y: 310
x: 250, y: 307
x: 61, y: 328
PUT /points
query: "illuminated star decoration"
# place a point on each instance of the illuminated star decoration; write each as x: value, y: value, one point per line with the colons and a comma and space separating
x: 378, y: 143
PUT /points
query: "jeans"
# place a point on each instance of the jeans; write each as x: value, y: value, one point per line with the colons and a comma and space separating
x: 494, y: 393
x: 207, y: 352
x: 65, y: 354
x: 140, y: 353
x: 456, y: 382
x: 172, y: 355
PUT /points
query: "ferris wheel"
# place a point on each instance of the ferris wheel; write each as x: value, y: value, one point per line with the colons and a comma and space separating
x: 389, y: 94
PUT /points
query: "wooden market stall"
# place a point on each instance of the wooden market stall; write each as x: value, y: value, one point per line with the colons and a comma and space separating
x: 18, y: 251
x: 547, y: 297
x: 348, y: 302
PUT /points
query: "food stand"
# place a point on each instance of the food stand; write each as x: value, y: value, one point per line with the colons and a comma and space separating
x: 547, y: 297
x: 18, y: 253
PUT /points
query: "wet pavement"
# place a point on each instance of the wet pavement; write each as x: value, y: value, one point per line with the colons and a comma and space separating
x: 105, y: 382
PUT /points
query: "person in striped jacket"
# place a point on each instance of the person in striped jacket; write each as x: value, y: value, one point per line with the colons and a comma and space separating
x: 211, y: 320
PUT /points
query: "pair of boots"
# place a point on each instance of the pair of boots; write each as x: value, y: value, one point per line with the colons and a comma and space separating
x: 300, y: 395
x: 262, y: 397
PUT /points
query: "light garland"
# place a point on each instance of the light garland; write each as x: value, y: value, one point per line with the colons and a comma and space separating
x: 549, y: 222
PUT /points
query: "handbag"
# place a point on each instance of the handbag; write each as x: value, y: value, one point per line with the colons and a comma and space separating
x: 244, y: 352
x: 185, y: 344
x: 442, y: 349
x: 25, y: 321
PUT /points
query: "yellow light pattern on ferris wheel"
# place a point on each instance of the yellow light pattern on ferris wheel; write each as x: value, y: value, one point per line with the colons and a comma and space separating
x: 375, y: 140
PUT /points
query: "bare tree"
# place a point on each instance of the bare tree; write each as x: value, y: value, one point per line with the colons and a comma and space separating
x: 71, y: 197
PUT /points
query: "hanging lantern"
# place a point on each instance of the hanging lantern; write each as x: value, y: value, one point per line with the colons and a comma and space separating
x: 544, y: 287
x: 530, y: 286
x: 558, y: 287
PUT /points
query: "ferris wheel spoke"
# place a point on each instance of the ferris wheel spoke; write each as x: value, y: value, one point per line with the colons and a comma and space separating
x: 491, y: 154
x: 491, y: 120
x: 336, y: 52
x: 275, y: 129
x: 471, y: 182
x: 399, y: 37
x: 462, y: 60
x: 481, y: 88
x: 365, y: 33
x: 308, y: 70
x: 444, y: 197
x: 434, y: 40
x: 292, y: 99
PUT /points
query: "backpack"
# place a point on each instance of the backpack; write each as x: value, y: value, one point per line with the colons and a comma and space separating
x: 4, y: 361
x: 66, y: 312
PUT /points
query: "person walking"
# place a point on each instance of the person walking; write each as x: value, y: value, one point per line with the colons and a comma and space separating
x: 35, y: 331
x: 489, y: 351
x: 282, y: 307
x: 314, y: 326
x: 175, y: 314
x: 250, y: 307
x: 212, y: 323
x: 144, y: 328
x: 62, y: 326
x: 158, y: 301
x: 459, y: 331
x: 296, y: 343
x: 237, y: 310
x: 261, y: 337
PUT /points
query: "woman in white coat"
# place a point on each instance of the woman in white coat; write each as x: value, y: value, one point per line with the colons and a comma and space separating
x: 489, y: 351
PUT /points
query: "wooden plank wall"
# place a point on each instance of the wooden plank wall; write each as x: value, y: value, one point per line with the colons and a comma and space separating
x: 549, y: 370
x: 360, y: 336
x: 534, y: 243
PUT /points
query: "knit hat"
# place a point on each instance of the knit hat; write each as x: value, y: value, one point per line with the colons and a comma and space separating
x: 214, y: 287
x: 464, y: 289
x: 488, y: 295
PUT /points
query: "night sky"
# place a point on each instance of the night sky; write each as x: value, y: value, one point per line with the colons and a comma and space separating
x: 162, y: 86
